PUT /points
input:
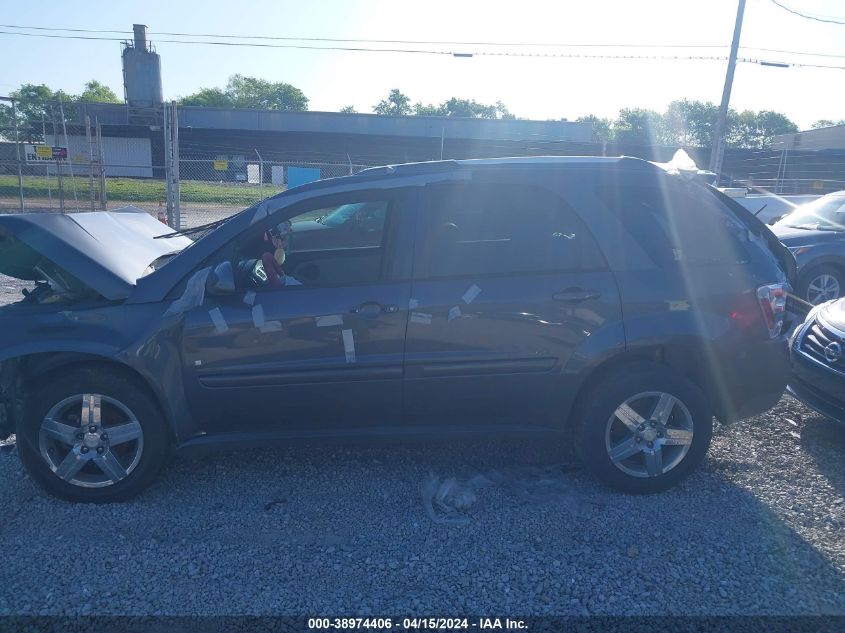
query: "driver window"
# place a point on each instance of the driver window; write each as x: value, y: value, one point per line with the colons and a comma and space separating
x: 332, y: 245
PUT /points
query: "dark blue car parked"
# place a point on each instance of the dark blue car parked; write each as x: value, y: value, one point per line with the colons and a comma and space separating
x: 600, y: 301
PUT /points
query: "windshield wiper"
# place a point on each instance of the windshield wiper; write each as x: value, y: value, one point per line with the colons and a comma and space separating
x: 196, y: 229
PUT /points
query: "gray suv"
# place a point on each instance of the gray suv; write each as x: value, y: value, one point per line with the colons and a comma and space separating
x: 600, y: 301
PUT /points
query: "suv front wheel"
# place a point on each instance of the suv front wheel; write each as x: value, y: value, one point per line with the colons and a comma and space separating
x: 645, y: 429
x: 92, y: 435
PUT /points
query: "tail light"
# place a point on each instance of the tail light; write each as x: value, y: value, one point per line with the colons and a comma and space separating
x: 772, y: 298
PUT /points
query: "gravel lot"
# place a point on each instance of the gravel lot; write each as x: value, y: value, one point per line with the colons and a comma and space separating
x: 326, y: 529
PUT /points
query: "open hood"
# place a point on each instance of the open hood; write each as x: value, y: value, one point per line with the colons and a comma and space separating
x: 106, y: 251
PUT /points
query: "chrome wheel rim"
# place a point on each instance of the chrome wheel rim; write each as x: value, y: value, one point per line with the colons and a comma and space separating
x: 822, y: 288
x: 91, y: 440
x: 649, y: 434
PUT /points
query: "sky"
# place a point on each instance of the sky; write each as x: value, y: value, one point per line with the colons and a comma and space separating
x: 531, y: 87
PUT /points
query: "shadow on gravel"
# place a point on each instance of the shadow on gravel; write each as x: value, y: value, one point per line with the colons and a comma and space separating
x: 326, y: 530
x: 824, y: 442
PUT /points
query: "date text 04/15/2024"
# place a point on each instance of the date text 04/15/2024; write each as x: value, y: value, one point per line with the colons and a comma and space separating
x: 412, y: 624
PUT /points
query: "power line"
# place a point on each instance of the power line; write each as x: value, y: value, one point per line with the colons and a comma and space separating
x: 448, y: 53
x: 826, y: 19
x: 372, y: 41
x: 414, y: 42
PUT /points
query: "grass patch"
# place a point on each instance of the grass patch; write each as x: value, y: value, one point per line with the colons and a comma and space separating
x: 141, y: 190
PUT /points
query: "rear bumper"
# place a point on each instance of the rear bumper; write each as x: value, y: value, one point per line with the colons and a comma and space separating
x: 754, y: 379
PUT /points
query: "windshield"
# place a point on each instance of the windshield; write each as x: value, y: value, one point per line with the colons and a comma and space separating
x: 826, y: 214
x: 342, y: 214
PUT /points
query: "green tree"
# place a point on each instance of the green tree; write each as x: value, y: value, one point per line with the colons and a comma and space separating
x: 601, y: 127
x: 99, y: 93
x: 690, y: 123
x: 350, y: 109
x: 249, y: 92
x: 755, y: 130
x: 638, y: 126
x: 468, y: 108
x: 827, y: 123
x: 429, y: 110
x: 208, y: 98
x: 396, y: 104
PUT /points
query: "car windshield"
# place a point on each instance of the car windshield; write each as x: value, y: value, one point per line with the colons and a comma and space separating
x: 826, y: 214
x: 342, y: 214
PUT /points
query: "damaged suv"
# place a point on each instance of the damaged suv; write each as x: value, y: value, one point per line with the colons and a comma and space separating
x: 600, y: 301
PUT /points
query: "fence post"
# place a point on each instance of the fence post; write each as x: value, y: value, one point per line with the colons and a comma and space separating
x: 102, y: 164
x: 260, y: 174
x: 90, y: 160
x: 18, y: 154
x: 177, y: 192
x: 168, y: 164
x: 69, y: 157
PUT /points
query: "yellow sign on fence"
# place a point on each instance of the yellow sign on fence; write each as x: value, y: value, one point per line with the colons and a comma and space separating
x: 44, y: 151
x: 221, y: 165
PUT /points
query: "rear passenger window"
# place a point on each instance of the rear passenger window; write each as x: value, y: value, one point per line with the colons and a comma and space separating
x: 672, y: 225
x: 492, y: 229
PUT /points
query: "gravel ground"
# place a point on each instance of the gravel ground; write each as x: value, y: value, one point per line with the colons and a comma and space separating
x: 325, y: 529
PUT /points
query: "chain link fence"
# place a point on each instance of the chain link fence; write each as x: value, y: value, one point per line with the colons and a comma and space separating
x: 59, y: 157
x: 212, y: 189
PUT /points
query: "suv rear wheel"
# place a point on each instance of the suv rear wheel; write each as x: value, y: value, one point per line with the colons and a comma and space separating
x: 644, y: 430
x: 92, y: 436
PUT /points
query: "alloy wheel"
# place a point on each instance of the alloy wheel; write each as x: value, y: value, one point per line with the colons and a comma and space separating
x: 91, y: 440
x: 824, y: 287
x: 649, y: 434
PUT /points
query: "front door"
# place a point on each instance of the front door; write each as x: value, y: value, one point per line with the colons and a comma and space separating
x: 320, y: 349
x: 508, y: 284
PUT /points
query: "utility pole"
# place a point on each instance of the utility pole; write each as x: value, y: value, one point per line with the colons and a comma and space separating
x: 718, y: 150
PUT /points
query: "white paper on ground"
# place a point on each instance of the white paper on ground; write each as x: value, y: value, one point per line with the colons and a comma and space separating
x: 258, y: 315
x: 471, y: 293
x: 421, y: 317
x: 454, y: 312
x: 349, y: 345
x: 329, y: 319
x: 271, y: 326
x: 413, y: 304
x: 219, y: 322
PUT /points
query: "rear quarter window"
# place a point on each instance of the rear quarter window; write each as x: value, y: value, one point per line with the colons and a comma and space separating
x: 674, y: 225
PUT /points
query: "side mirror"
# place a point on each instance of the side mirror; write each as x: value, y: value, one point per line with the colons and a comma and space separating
x: 221, y: 280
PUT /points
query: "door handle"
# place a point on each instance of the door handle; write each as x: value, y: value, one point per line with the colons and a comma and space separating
x: 574, y: 295
x: 372, y: 309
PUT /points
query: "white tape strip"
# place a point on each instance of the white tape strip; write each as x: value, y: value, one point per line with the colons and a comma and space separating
x: 454, y: 313
x: 258, y: 315
x: 413, y: 304
x: 471, y: 293
x: 271, y: 326
x: 249, y: 298
x: 421, y: 317
x: 219, y: 322
x: 329, y: 319
x: 349, y: 345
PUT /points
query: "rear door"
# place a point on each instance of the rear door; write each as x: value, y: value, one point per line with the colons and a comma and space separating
x: 508, y: 284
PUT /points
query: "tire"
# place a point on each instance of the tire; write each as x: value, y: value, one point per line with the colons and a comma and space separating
x: 81, y: 465
x: 822, y: 276
x: 678, y: 443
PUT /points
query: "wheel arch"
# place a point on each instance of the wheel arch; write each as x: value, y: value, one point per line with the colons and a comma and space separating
x: 18, y: 378
x: 688, y: 359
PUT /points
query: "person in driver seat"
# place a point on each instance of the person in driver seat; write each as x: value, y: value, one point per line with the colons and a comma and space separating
x: 273, y: 262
